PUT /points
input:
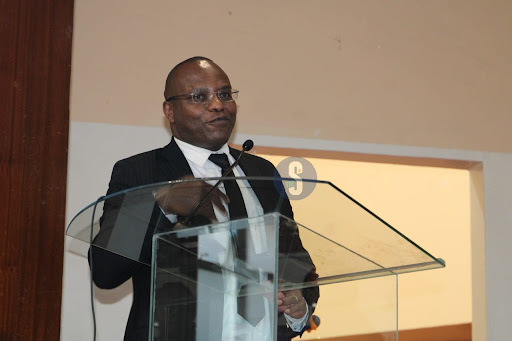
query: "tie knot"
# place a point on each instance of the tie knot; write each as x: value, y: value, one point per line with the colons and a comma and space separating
x: 220, y: 160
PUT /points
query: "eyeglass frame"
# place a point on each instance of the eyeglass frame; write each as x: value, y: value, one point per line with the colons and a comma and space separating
x: 233, y: 92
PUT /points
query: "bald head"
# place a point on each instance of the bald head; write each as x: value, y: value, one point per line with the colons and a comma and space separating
x: 172, y: 76
x: 207, y: 124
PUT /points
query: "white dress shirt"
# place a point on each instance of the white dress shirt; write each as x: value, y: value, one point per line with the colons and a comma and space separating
x: 202, y: 167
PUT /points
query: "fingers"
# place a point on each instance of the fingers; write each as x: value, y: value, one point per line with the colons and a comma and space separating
x: 206, y: 210
x: 291, y: 303
x: 181, y: 198
x: 215, y: 199
x: 218, y: 199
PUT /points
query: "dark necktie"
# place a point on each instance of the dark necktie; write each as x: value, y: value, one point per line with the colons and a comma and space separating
x: 236, y: 201
x: 249, y: 307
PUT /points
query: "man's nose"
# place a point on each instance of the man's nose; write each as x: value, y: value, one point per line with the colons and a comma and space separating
x: 215, y: 103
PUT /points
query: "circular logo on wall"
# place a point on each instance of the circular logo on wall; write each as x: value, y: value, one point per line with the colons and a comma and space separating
x: 296, y: 169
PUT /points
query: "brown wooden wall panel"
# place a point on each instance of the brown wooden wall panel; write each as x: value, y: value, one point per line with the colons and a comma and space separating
x: 35, y: 63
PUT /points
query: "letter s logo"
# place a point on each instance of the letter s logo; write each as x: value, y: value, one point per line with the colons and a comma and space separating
x: 300, y: 174
x: 294, y: 169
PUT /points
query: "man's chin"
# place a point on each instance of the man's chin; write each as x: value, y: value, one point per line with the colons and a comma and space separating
x: 218, y: 139
x: 216, y: 144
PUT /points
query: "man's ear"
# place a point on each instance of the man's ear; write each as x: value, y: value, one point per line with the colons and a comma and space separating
x: 168, y: 111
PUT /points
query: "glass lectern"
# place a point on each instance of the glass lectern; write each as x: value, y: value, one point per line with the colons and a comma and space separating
x: 215, y: 279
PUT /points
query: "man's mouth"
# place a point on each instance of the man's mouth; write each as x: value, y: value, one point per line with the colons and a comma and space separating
x: 219, y: 119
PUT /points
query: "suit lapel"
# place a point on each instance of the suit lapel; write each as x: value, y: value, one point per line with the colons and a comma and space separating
x: 249, y: 168
x: 171, y: 163
x: 263, y: 189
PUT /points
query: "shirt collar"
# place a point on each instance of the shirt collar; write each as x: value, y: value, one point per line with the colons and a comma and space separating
x: 198, y: 155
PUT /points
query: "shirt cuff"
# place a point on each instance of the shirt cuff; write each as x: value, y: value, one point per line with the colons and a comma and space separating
x: 297, y: 324
x: 173, y: 218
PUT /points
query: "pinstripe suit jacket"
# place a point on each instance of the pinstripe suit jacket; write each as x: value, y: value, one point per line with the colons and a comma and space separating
x: 165, y: 164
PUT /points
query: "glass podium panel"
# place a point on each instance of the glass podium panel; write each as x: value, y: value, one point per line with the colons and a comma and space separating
x: 214, y: 276
x: 183, y: 247
x: 206, y: 286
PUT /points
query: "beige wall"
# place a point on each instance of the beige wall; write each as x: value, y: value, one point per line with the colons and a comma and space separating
x: 422, y: 73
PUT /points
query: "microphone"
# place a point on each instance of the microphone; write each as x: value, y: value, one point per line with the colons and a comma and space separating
x: 248, y: 144
x: 313, y: 323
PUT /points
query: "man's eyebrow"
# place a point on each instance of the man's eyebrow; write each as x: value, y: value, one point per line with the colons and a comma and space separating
x: 200, y: 89
x: 204, y: 89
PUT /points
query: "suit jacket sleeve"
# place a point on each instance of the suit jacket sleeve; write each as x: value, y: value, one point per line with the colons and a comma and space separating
x: 110, y: 270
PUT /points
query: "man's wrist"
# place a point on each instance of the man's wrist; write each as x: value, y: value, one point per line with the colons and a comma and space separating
x: 297, y: 324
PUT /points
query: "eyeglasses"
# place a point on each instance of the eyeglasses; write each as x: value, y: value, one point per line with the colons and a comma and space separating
x: 224, y: 95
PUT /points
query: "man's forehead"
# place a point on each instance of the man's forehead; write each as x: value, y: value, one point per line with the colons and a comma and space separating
x: 200, y: 73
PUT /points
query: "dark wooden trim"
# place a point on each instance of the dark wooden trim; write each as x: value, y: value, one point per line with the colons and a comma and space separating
x: 35, y: 68
x: 362, y: 157
x: 456, y: 332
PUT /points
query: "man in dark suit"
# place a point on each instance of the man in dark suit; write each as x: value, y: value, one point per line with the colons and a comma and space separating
x: 201, y: 110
